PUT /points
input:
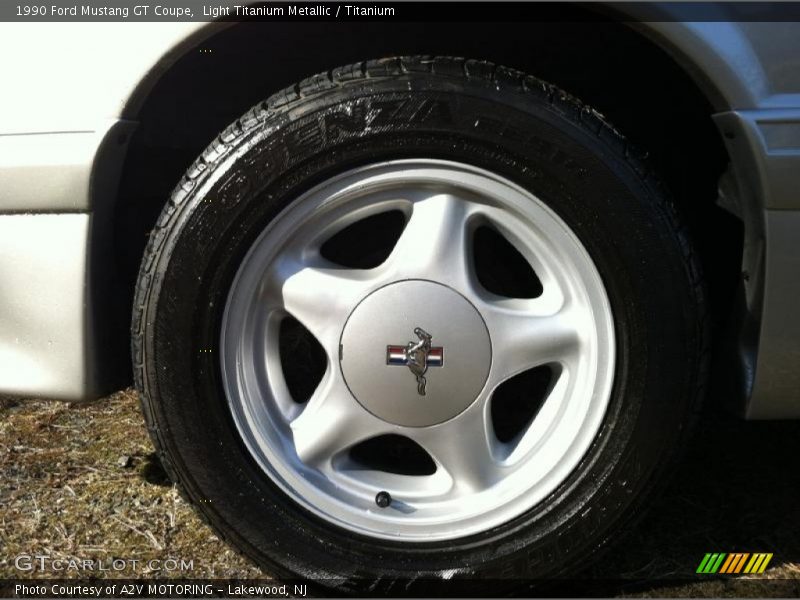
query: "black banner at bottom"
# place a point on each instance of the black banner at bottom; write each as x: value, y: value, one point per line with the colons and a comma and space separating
x: 466, y: 588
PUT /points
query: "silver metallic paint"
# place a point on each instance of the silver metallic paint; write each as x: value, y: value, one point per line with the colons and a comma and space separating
x: 45, y: 325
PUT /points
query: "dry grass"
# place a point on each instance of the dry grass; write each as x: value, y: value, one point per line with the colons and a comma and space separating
x: 82, y: 481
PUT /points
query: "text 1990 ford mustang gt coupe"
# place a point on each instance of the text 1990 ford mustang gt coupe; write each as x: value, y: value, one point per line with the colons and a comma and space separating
x: 409, y: 317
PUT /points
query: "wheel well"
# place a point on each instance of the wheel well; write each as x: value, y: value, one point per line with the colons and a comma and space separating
x: 608, y: 65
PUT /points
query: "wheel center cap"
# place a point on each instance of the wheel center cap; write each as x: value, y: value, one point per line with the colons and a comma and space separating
x: 415, y: 353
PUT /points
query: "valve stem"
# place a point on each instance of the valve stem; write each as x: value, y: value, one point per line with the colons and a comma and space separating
x: 383, y: 499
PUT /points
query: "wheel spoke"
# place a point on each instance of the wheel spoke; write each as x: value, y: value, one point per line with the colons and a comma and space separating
x: 465, y: 448
x: 529, y: 338
x: 321, y: 298
x: 331, y: 422
x: 434, y: 243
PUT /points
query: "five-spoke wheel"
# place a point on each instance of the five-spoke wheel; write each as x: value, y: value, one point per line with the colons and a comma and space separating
x: 427, y: 281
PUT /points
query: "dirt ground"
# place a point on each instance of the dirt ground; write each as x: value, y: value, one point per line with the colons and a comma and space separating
x: 83, y: 481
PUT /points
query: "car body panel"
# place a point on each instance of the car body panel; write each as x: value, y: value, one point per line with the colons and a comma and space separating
x: 91, y: 74
x: 45, y: 320
x: 62, y: 145
x: 775, y: 386
x: 48, y: 172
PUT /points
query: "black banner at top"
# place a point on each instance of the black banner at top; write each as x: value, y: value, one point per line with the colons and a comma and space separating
x: 449, y: 12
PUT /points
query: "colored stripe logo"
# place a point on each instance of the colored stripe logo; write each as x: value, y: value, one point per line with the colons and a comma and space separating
x: 398, y: 356
x: 733, y: 563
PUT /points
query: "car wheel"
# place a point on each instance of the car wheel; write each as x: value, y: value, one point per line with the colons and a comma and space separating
x: 418, y: 318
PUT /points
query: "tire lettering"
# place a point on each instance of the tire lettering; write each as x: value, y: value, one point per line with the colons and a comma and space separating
x: 351, y: 120
x: 306, y: 136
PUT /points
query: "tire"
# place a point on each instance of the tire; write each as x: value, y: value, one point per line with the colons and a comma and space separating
x: 268, y: 176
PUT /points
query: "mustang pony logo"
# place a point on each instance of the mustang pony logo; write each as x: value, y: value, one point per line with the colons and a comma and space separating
x: 417, y: 356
